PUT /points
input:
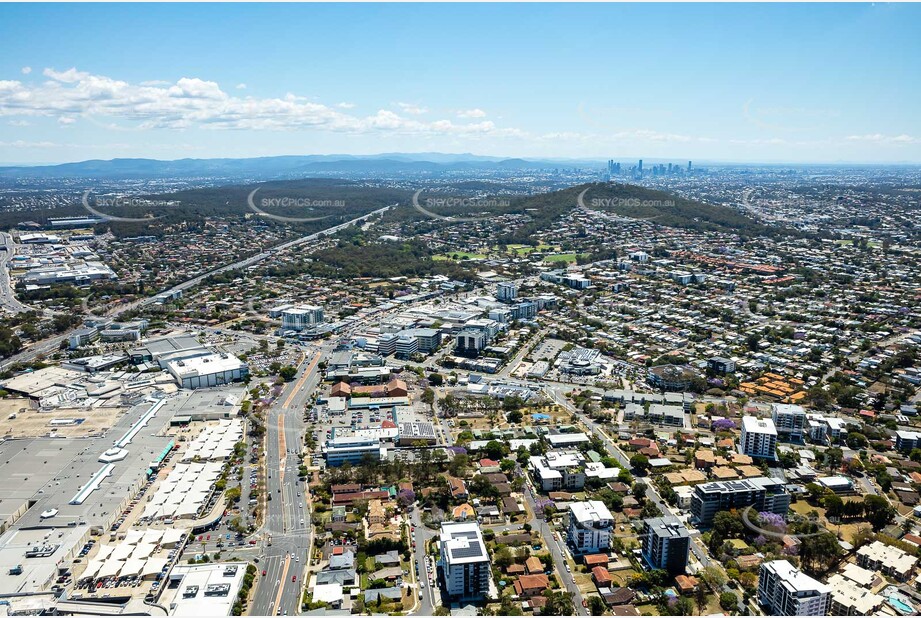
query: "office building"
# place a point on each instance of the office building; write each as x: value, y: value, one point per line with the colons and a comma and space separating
x: 761, y: 493
x: 590, y: 527
x: 506, y: 292
x: 406, y: 346
x: 469, y: 342
x: 789, y: 420
x: 786, y: 591
x: 387, y: 344
x: 666, y: 543
x: 464, y: 560
x: 353, y: 450
x: 759, y: 438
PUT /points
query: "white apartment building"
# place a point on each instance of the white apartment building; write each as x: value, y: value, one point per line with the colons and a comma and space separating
x: 759, y: 438
x: 890, y: 560
x: 301, y: 317
x: 789, y: 420
x: 786, y: 591
x: 590, y: 527
x: 464, y: 560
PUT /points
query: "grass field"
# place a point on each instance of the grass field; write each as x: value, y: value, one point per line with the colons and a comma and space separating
x: 459, y: 255
x: 527, y: 249
x: 562, y: 257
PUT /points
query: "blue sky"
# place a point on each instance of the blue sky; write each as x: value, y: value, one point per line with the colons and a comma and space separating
x: 785, y: 83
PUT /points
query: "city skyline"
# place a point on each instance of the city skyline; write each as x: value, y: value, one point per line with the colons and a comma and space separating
x: 652, y: 82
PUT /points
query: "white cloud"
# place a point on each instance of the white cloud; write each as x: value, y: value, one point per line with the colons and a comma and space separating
x: 26, y: 70
x: 879, y: 138
x: 66, y: 120
x: 19, y: 123
x: 193, y: 102
x: 24, y: 144
x: 241, y: 86
x: 471, y: 113
x: 412, y: 108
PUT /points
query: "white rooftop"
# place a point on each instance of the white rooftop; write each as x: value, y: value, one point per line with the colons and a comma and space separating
x: 758, y: 425
x: 590, y: 511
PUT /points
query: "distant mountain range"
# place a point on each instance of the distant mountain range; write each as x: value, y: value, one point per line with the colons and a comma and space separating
x: 283, y: 166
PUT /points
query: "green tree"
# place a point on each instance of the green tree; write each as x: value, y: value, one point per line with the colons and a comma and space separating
x: 683, y: 607
x: 878, y: 512
x: 287, y: 373
x: 640, y: 463
x: 729, y: 601
x: 596, y: 606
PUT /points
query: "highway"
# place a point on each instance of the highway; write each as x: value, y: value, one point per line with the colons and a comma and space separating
x: 255, y: 259
x: 7, y: 297
x: 51, y: 344
x: 287, y: 514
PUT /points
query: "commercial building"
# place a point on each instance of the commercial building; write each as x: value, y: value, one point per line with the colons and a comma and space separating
x: 411, y: 433
x: 464, y: 560
x: 78, y: 274
x: 789, y: 420
x: 671, y: 378
x: 82, y: 336
x: 786, y: 591
x: 590, y: 527
x: 761, y: 493
x: 211, y: 370
x: 666, y: 543
x: 759, y: 438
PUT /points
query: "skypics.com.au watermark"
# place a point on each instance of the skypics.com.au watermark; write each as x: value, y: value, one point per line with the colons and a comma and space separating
x: 467, y: 203
x: 290, y: 202
x: 120, y: 201
x: 629, y: 202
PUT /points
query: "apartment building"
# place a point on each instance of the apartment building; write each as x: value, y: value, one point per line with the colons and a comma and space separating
x: 590, y: 527
x: 761, y: 493
x: 759, y: 438
x: 786, y: 591
x: 889, y: 560
x: 464, y: 560
x: 558, y: 470
x: 666, y: 543
x: 789, y: 421
x: 301, y: 317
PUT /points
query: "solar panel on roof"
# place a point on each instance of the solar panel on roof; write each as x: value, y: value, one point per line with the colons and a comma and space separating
x: 473, y: 551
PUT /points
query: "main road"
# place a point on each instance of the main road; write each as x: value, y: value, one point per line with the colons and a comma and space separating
x: 287, y: 510
x: 7, y: 296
